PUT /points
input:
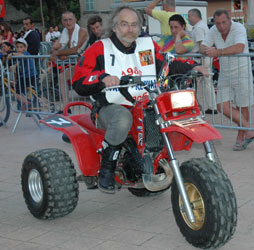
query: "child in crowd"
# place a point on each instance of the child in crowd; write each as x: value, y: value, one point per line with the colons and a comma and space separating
x: 7, y: 49
x: 24, y: 70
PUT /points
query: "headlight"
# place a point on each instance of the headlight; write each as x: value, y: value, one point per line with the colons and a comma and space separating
x: 182, y: 99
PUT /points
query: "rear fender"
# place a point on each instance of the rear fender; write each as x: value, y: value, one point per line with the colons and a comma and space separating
x: 84, y: 142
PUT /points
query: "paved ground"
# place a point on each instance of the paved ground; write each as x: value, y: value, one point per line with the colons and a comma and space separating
x: 108, y: 222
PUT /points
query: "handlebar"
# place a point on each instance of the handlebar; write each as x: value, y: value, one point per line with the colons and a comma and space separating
x: 126, y: 82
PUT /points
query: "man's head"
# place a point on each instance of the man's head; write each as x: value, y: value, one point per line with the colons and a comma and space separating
x: 126, y: 23
x: 176, y: 23
x: 21, y: 45
x: 168, y: 5
x: 56, y: 28
x: 68, y: 20
x: 194, y: 16
x: 94, y: 24
x: 28, y: 24
x: 51, y: 29
x: 222, y: 21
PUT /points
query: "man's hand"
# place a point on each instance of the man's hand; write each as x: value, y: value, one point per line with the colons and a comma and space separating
x: 211, y: 51
x: 181, y: 34
x: 63, y: 57
x: 202, y: 69
x: 111, y: 81
x: 53, y: 56
x: 149, y: 8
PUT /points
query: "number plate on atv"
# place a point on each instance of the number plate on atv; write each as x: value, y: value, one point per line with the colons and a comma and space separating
x: 58, y: 122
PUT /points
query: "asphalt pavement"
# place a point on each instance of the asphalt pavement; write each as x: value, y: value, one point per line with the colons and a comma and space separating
x: 109, y: 222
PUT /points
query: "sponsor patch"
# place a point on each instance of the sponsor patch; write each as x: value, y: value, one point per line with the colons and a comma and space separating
x: 139, y: 128
x: 146, y: 57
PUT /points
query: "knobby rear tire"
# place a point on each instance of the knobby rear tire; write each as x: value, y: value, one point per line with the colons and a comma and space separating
x: 49, y: 183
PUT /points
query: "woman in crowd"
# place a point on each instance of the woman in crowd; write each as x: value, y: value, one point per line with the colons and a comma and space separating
x: 6, y: 33
x: 178, y: 42
x: 7, y: 48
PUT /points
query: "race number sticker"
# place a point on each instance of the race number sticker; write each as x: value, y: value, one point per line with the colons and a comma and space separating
x: 58, y: 122
x: 146, y: 57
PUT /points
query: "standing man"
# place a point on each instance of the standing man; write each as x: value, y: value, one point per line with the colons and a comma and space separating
x: 71, y: 42
x: 33, y: 40
x: 2, y: 10
x: 168, y: 10
x: 235, y: 83
x: 31, y: 36
x: 200, y: 29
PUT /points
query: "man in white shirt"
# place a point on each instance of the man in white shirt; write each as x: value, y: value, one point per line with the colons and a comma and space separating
x: 200, y: 29
x: 57, y: 33
x: 72, y: 40
x: 235, y: 83
x: 50, y: 36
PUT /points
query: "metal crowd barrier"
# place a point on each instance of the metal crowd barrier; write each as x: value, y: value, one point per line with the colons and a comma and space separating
x: 45, y: 48
x: 50, y: 89
x: 207, y: 92
x: 3, y: 104
x: 46, y: 92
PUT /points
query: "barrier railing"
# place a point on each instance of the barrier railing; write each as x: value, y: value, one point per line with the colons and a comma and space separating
x: 240, y: 80
x: 38, y: 89
x: 4, y: 104
x: 50, y: 90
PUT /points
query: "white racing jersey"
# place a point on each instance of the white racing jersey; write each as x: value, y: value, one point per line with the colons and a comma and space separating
x: 140, y: 63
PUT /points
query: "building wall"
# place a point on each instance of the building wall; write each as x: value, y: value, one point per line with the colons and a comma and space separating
x: 102, y: 5
x: 213, y: 5
x: 14, y: 17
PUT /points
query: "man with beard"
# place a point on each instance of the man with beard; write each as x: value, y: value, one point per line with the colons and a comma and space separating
x: 102, y: 66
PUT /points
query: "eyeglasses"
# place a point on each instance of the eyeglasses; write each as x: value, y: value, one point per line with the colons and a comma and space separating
x: 68, y: 20
x: 126, y: 25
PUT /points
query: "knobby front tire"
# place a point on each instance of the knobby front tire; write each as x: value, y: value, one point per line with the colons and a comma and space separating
x: 213, y: 201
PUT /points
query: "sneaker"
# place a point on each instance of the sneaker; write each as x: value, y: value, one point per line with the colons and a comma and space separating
x: 210, y: 111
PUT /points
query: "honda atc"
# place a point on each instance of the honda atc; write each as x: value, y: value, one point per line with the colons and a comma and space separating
x: 165, y: 120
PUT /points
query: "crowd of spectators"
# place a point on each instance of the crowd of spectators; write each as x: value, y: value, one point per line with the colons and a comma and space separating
x: 177, y: 39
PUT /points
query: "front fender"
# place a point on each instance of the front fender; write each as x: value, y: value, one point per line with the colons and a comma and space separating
x: 199, y: 133
x: 85, y: 143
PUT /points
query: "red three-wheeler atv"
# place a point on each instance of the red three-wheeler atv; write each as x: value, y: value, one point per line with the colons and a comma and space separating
x: 165, y: 120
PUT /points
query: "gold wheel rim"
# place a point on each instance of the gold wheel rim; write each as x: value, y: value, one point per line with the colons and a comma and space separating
x: 197, y: 204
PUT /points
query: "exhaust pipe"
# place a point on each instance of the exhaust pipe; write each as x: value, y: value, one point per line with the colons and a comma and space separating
x: 160, y: 181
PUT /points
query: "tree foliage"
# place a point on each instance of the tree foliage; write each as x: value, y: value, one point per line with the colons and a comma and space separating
x: 52, y: 9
